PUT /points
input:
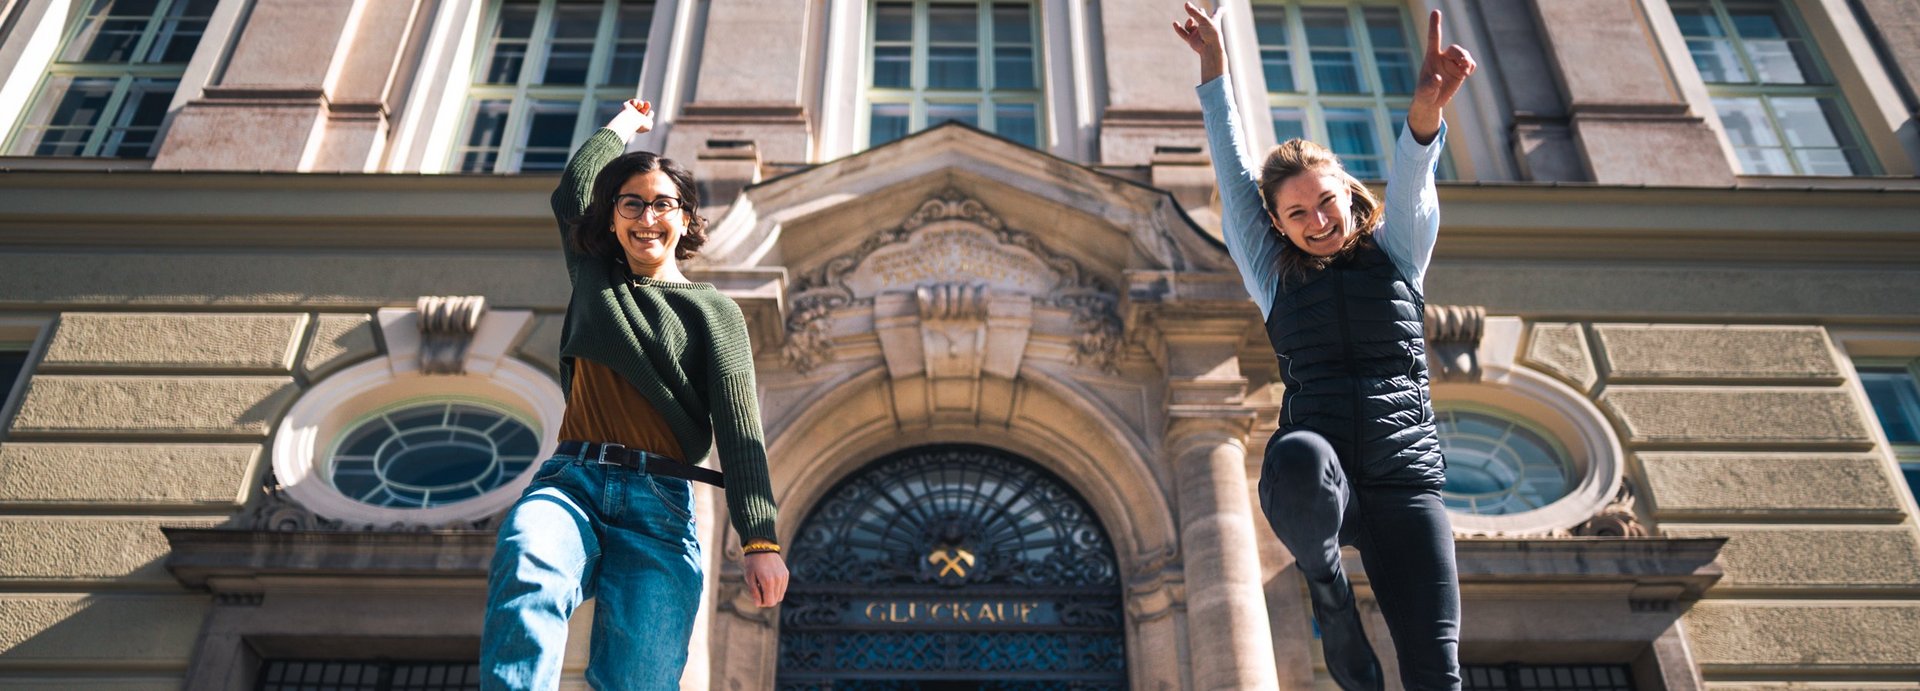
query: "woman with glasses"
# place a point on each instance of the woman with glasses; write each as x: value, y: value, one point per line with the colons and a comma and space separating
x: 1337, y: 273
x: 657, y: 369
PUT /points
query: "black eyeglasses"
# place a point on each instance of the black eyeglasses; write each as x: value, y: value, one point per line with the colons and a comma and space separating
x: 633, y: 207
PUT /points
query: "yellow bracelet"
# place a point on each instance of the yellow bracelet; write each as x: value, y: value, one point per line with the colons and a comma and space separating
x: 760, y: 546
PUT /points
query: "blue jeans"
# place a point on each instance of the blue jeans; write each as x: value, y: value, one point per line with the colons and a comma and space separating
x: 585, y: 530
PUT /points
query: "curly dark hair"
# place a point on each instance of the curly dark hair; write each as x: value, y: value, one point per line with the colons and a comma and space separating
x: 591, y: 229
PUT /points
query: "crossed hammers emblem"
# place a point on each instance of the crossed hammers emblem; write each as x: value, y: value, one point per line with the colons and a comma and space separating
x: 954, y: 561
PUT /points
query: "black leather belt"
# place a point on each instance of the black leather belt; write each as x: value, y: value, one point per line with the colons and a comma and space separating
x: 644, y: 461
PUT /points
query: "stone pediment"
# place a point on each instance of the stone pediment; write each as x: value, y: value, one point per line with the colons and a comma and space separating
x: 957, y: 260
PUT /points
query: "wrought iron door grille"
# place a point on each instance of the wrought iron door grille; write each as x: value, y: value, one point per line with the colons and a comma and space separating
x: 367, y: 675
x: 1517, y: 677
x: 952, y: 567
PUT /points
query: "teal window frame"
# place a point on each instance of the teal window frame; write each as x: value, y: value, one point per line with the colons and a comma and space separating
x: 1819, y: 86
x: 988, y: 95
x: 1310, y: 105
x: 1905, y: 453
x: 109, y: 129
x: 592, y: 102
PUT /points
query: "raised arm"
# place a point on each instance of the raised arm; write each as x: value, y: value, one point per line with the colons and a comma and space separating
x: 1243, y: 218
x: 1413, y: 207
x: 575, y: 191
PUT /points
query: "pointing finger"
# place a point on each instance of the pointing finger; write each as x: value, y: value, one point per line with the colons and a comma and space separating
x: 1433, y: 33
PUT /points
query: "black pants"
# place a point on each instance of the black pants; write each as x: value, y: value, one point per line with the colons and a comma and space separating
x: 1404, y: 539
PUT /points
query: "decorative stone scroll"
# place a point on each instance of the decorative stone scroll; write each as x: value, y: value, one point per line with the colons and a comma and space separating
x: 1453, y: 341
x: 447, y: 325
x: 1617, y: 519
x: 952, y: 243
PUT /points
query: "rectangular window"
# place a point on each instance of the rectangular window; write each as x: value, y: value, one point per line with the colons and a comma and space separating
x: 367, y: 675
x: 1516, y: 677
x: 1338, y: 74
x: 970, y: 62
x: 549, y: 73
x: 1778, y: 102
x: 112, y: 79
x: 1894, y: 391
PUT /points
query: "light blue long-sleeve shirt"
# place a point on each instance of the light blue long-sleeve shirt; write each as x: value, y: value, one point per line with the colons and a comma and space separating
x: 1412, y: 206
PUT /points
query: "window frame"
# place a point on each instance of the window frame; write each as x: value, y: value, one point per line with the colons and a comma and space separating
x: 1312, y: 104
x: 522, y: 95
x: 1829, y: 88
x: 985, y: 97
x: 125, y: 74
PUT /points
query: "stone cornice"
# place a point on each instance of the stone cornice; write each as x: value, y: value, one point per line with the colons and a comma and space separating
x: 207, y: 558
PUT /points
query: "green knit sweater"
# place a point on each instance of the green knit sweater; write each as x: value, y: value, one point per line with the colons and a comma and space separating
x: 682, y: 345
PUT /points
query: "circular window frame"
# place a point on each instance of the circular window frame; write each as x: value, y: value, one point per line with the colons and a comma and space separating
x: 312, y: 428
x: 1562, y: 415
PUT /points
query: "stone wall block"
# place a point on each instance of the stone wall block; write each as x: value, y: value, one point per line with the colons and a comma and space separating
x: 1773, y: 485
x: 239, y: 406
x: 229, y: 342
x: 339, y: 340
x: 1806, y: 636
x: 1813, y: 557
x: 209, y: 475
x: 1747, y: 415
x: 92, y: 629
x: 1670, y: 351
x: 1561, y: 350
x: 86, y: 548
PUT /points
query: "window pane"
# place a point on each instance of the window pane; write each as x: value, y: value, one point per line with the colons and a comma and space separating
x: 1896, y: 402
x: 111, y: 31
x: 488, y: 127
x: 181, y: 32
x: 893, y: 22
x: 1781, y: 62
x: 630, y: 44
x: 953, y: 68
x: 12, y: 364
x: 889, y: 121
x: 1391, y: 52
x: 1013, y: 68
x: 1276, y: 60
x: 510, y: 42
x: 1715, y: 59
x: 77, y: 104
x: 549, y: 135
x: 138, y: 124
x: 1746, y: 122
x: 953, y: 24
x: 1017, y: 122
x: 1012, y: 23
x: 571, y: 52
x: 892, y: 67
x: 938, y: 113
x: 1335, y: 67
x: 1289, y: 123
x: 1350, y: 134
x: 1805, y: 122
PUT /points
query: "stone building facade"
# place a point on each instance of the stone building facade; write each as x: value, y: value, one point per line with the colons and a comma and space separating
x: 280, y: 304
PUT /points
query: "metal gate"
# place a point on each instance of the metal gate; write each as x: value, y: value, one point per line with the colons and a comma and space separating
x: 952, y: 567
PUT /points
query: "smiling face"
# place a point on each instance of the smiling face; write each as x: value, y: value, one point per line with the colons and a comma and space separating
x: 1314, y: 209
x: 648, y: 240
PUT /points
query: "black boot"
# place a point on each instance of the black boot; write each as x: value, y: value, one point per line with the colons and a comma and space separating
x: 1349, y: 656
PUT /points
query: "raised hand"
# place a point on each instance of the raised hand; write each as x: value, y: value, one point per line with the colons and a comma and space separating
x: 635, y: 116
x: 1441, y: 74
x: 1201, y: 32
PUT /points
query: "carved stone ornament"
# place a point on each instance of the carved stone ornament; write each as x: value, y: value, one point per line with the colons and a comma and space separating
x: 954, y: 255
x: 1453, y: 341
x: 1617, y: 519
x: 447, y: 325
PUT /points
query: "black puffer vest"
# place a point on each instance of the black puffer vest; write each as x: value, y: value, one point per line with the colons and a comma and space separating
x: 1353, y: 359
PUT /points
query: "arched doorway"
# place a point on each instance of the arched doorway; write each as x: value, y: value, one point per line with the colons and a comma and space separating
x: 952, y: 567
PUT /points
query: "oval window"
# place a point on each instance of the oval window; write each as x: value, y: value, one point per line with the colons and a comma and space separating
x: 422, y: 454
x: 1497, y: 465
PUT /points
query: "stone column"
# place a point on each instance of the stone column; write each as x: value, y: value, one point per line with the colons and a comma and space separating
x: 1228, y: 635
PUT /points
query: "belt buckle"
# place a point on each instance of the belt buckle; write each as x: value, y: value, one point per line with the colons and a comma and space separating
x: 618, y: 448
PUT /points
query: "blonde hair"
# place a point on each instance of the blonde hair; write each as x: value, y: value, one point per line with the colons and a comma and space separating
x: 1294, y: 157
